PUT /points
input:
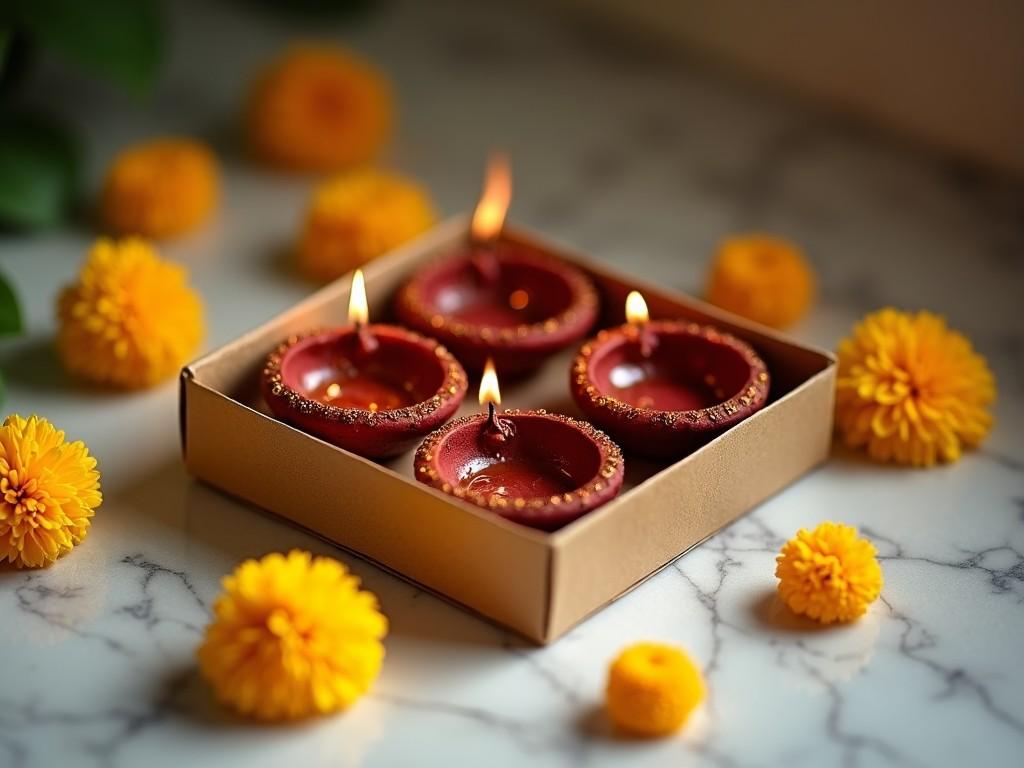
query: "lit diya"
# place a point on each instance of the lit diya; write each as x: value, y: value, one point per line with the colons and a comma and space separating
x: 499, y: 299
x: 536, y: 468
x: 666, y: 387
x: 371, y: 389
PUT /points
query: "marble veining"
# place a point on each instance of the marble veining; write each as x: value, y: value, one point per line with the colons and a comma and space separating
x: 644, y: 158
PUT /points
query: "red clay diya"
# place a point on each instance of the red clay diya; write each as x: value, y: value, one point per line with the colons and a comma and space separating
x: 536, y: 468
x: 499, y: 299
x: 665, y: 388
x: 374, y: 389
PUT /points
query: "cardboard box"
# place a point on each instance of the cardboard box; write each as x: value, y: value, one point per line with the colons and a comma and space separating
x: 538, y: 584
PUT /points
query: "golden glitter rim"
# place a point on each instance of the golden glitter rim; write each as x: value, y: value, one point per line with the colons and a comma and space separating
x: 454, y: 384
x: 609, y: 475
x: 584, y: 304
x: 753, y: 393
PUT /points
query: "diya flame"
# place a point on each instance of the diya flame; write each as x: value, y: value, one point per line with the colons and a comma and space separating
x: 489, y: 216
x: 358, y: 309
x: 490, y: 393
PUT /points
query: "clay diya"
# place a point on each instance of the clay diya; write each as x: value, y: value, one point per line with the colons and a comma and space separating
x: 666, y: 387
x: 497, y: 298
x: 373, y: 389
x: 536, y: 468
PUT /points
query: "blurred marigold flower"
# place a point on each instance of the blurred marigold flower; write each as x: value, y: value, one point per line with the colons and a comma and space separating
x: 131, y: 319
x: 49, y: 489
x: 319, y: 108
x: 910, y: 390
x: 652, y: 689
x: 160, y: 188
x: 292, y: 636
x: 829, y: 574
x: 357, y: 217
x: 763, y: 278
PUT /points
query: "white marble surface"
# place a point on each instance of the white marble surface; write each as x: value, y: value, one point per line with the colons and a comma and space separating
x: 644, y: 160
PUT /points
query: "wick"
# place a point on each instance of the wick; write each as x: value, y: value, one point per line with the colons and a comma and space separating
x: 496, y: 431
x: 485, y: 261
x: 642, y: 334
x: 366, y: 340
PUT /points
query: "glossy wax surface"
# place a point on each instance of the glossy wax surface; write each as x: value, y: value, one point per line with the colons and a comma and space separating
x: 479, y: 289
x: 516, y: 477
x: 338, y: 369
x: 670, y: 373
x: 348, y: 385
x: 645, y: 384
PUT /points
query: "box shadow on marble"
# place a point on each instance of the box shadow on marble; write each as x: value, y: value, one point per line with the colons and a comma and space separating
x: 537, y: 584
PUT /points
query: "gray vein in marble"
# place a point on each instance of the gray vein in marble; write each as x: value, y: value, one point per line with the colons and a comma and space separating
x: 36, y: 598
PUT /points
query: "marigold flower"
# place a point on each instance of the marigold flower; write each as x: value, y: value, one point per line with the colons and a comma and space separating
x: 293, y: 636
x: 160, y: 188
x: 131, y: 319
x: 319, y: 109
x: 763, y: 278
x: 911, y: 390
x: 49, y: 489
x: 652, y: 689
x: 357, y: 217
x: 828, y: 574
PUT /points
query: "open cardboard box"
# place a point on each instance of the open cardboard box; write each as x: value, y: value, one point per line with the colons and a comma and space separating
x: 538, y: 584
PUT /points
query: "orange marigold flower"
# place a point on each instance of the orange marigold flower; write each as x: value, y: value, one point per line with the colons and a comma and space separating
x: 131, y: 319
x: 293, y: 636
x: 911, y: 390
x: 49, y: 489
x: 828, y: 574
x: 319, y: 109
x: 652, y: 689
x: 763, y: 278
x: 357, y: 217
x: 160, y: 188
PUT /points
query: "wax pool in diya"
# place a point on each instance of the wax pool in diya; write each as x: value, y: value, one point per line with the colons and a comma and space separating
x: 497, y: 298
x: 663, y: 388
x: 373, y: 389
x: 536, y: 468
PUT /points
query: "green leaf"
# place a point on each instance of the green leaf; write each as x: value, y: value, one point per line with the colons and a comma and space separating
x: 117, y: 39
x: 38, y: 171
x: 10, y: 312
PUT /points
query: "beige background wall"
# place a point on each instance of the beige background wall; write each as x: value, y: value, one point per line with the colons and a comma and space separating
x: 948, y: 72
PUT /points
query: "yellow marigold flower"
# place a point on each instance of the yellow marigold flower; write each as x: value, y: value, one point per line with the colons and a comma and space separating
x: 293, y: 636
x: 319, y: 109
x: 652, y: 689
x: 828, y: 574
x: 160, y: 188
x: 911, y: 390
x: 131, y: 319
x: 357, y: 217
x: 763, y: 278
x: 48, y: 491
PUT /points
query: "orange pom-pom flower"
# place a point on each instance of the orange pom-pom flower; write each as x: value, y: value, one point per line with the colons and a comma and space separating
x: 49, y: 489
x: 829, y: 574
x: 293, y: 636
x: 763, y: 278
x: 131, y: 319
x: 359, y: 216
x: 910, y: 390
x: 319, y: 109
x: 652, y: 689
x: 160, y: 188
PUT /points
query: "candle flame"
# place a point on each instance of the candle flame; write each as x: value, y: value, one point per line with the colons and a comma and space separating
x: 489, y: 391
x: 358, y: 311
x: 636, y: 309
x: 489, y: 216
